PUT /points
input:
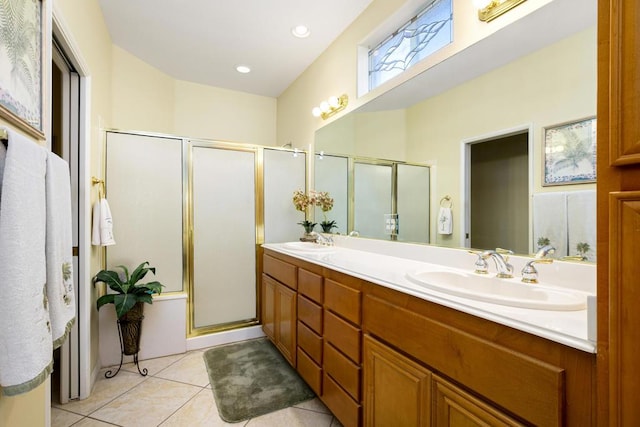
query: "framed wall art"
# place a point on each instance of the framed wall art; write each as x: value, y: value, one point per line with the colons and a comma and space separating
x: 21, y: 64
x: 570, y: 153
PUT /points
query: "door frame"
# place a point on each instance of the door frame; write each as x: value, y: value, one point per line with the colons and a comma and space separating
x: 84, y: 298
x: 465, y: 183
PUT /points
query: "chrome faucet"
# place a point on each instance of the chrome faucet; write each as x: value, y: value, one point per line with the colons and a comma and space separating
x: 544, y: 251
x: 529, y: 272
x: 323, y: 239
x: 505, y: 270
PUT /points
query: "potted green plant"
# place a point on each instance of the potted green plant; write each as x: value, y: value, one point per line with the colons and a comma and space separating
x: 128, y: 299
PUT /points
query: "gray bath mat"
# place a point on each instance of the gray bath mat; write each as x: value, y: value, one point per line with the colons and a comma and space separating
x: 252, y: 378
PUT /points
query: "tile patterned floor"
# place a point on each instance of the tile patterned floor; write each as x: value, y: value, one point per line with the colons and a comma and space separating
x: 176, y: 393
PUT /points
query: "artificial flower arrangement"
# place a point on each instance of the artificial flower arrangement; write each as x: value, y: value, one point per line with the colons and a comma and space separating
x: 321, y: 199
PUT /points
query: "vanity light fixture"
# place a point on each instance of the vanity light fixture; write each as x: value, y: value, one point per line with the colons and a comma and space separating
x: 331, y: 106
x: 243, y: 69
x: 301, y: 31
x: 489, y: 10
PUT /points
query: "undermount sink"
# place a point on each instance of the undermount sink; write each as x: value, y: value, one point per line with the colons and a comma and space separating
x: 307, y: 247
x: 510, y: 292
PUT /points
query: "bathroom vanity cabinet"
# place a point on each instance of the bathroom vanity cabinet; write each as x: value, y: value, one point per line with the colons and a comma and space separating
x: 278, y: 302
x: 378, y: 357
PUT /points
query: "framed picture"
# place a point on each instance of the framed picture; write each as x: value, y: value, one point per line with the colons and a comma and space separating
x: 570, y: 153
x: 21, y: 62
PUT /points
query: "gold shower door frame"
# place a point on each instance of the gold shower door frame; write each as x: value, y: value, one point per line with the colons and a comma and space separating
x: 192, y: 329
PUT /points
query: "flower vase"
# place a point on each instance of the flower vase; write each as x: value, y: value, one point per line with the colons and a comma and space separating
x: 308, y: 230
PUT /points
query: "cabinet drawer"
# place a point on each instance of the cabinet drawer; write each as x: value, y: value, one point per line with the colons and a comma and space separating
x: 344, y: 371
x: 310, y: 285
x: 342, y: 335
x: 310, y: 372
x: 343, y: 300
x: 310, y: 313
x: 310, y: 342
x: 280, y: 270
x: 339, y: 403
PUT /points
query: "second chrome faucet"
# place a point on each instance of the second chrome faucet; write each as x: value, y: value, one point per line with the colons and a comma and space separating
x: 505, y: 270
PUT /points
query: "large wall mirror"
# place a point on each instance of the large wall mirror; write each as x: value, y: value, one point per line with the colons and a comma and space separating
x: 536, y: 73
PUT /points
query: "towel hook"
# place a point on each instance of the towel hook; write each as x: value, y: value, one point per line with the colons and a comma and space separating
x: 101, y: 189
x: 446, y: 200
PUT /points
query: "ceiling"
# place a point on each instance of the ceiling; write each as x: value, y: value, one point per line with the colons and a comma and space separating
x: 203, y: 41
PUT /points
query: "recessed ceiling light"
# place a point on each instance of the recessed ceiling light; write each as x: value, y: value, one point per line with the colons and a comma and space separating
x: 301, y: 31
x: 243, y: 69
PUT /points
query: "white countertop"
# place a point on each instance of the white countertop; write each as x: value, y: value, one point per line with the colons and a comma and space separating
x: 570, y: 328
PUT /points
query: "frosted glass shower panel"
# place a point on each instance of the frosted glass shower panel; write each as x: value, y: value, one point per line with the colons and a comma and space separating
x: 284, y: 173
x: 144, y: 188
x: 332, y: 175
x: 413, y: 203
x: 224, y: 236
x: 372, y: 199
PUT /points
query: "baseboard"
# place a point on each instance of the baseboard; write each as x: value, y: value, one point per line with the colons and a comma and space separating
x: 224, y: 337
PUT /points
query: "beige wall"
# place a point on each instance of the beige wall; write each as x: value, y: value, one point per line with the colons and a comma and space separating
x: 551, y: 86
x: 146, y: 99
x: 380, y: 135
x: 143, y: 97
x: 214, y: 113
x: 26, y: 409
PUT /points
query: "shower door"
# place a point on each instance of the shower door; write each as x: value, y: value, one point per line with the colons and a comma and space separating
x: 372, y: 198
x: 223, y: 237
x: 284, y: 172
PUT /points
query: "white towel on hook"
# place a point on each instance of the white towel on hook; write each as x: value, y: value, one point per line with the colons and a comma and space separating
x: 59, y: 249
x: 445, y: 221
x: 102, y: 232
x: 25, y: 336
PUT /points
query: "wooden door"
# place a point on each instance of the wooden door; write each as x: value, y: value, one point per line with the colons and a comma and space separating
x: 269, y: 307
x: 396, y: 389
x: 453, y: 407
x: 286, y: 303
x: 618, y: 212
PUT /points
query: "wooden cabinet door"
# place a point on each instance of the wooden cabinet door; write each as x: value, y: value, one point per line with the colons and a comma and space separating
x: 396, y: 389
x: 286, y: 303
x: 618, y: 212
x: 453, y: 407
x: 269, y: 307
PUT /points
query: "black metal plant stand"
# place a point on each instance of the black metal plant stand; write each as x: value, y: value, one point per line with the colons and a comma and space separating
x: 136, y: 325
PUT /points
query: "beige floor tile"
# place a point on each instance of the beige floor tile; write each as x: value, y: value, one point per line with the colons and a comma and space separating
x: 153, y: 366
x: 90, y: 422
x: 190, y: 370
x: 199, y: 411
x: 313, y: 405
x: 61, y: 418
x: 149, y: 404
x: 292, y: 417
x: 104, y: 391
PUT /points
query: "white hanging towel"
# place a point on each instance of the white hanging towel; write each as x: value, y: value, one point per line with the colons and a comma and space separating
x: 102, y: 232
x: 445, y: 221
x: 25, y: 335
x: 59, y: 247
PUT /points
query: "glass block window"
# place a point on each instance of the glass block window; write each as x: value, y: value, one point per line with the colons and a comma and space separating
x: 425, y: 33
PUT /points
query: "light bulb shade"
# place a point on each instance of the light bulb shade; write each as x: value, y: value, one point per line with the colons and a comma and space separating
x: 333, y: 101
x: 316, y: 112
x: 324, y: 106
